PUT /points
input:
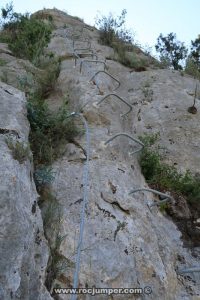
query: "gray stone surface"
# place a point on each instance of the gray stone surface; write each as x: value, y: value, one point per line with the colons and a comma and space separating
x: 15, y: 71
x: 125, y: 243
x: 23, y: 251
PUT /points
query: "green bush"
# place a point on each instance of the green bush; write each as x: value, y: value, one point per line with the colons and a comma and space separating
x: 47, y: 78
x: 113, y: 33
x: 163, y: 176
x: 190, y: 186
x: 191, y: 68
x: 172, y: 51
x: 25, y: 35
x: 149, y: 160
x: 52, y: 222
x: 111, y: 29
x: 49, y: 130
x: 195, y: 51
x: 41, y: 83
x: 43, y: 176
x: 2, y: 62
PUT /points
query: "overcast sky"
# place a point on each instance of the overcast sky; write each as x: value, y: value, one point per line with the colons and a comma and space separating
x: 148, y: 18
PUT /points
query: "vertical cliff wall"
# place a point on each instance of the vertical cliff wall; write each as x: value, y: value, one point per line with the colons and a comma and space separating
x: 23, y: 251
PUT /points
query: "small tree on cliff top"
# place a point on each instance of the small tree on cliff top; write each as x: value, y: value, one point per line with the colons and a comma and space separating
x: 171, y: 50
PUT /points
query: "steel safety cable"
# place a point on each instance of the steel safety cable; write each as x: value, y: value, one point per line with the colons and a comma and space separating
x: 85, y: 200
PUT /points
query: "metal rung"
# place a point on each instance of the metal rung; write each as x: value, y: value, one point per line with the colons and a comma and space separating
x: 77, y: 55
x: 130, y: 137
x: 92, y: 61
x: 88, y: 49
x: 88, y: 54
x: 108, y: 75
x: 167, y: 197
x: 130, y: 106
x: 159, y: 203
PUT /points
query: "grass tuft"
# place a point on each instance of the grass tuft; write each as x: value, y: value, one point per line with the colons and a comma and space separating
x: 20, y: 150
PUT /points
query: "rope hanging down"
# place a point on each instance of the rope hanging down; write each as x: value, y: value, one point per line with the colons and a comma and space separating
x: 85, y: 200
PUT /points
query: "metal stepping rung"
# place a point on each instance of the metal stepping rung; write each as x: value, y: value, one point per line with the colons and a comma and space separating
x: 108, y: 75
x: 77, y: 55
x: 128, y: 136
x: 129, y: 105
x: 83, y: 49
x: 92, y: 61
x: 167, y: 197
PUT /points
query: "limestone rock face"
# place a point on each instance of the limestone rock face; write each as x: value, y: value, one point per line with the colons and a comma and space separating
x: 162, y: 102
x: 126, y: 244
x: 24, y: 251
x: 15, y: 71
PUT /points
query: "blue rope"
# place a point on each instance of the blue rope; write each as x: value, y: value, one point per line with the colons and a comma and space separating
x: 85, y: 200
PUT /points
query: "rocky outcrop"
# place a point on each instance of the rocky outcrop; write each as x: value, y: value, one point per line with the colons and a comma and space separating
x: 24, y: 251
x: 161, y: 99
x: 16, y: 72
x: 126, y: 244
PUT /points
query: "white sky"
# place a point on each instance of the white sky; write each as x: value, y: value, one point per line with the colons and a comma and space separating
x: 148, y: 18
